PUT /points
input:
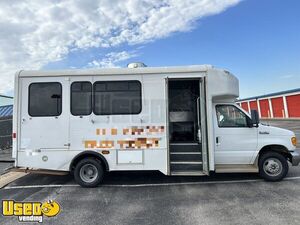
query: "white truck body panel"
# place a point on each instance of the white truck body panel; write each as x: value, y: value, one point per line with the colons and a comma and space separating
x: 52, y: 142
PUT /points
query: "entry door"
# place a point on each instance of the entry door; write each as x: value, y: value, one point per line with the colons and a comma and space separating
x: 187, y: 126
x: 236, y: 143
x: 44, y: 113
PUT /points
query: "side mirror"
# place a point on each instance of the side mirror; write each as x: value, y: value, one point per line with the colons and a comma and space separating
x: 254, y: 117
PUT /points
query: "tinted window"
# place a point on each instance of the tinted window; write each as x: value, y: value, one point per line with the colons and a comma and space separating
x: 117, y: 97
x: 45, y: 99
x: 81, y: 98
x: 230, y: 116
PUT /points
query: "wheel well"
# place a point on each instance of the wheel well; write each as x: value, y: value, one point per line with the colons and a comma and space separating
x: 87, y: 154
x: 275, y: 148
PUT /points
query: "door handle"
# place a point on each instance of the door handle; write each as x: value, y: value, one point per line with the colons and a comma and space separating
x: 218, y: 140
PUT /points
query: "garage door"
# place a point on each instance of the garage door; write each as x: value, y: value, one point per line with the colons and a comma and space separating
x: 278, y: 108
x: 264, y: 108
x: 245, y: 106
x: 293, y: 105
x: 253, y: 105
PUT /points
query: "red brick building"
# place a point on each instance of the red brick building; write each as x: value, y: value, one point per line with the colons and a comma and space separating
x: 285, y: 104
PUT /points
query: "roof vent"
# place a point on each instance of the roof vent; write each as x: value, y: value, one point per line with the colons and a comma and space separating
x: 136, y: 65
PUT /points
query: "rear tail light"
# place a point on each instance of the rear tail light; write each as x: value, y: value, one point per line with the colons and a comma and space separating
x: 14, y: 135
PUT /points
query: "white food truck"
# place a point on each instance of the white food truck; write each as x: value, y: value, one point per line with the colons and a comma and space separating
x: 176, y: 120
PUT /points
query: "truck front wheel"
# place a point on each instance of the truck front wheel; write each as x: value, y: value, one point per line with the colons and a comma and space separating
x: 89, y: 172
x: 273, y: 166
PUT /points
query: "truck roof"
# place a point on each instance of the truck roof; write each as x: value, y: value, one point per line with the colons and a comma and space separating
x: 115, y: 71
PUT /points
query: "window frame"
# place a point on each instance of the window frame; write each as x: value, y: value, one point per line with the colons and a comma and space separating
x: 92, y: 91
x: 106, y: 81
x: 246, y: 116
x: 61, y: 91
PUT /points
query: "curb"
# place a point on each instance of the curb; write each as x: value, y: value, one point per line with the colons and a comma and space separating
x: 9, y: 177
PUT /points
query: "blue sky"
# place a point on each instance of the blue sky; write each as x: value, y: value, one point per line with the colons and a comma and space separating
x: 258, y: 41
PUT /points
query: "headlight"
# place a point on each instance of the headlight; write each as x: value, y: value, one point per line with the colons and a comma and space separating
x: 294, y: 141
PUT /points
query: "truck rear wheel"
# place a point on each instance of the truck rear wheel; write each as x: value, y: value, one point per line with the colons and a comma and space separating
x: 89, y: 172
x: 273, y: 166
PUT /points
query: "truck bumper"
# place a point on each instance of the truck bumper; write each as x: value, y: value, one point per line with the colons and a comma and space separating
x: 295, y: 157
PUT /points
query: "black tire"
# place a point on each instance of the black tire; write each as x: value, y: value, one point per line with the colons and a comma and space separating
x: 82, y: 173
x: 273, y: 166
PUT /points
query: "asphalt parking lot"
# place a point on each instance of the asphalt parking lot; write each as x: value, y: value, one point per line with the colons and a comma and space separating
x: 152, y: 198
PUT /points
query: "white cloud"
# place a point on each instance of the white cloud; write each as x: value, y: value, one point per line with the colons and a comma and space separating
x: 34, y: 33
x: 112, y: 59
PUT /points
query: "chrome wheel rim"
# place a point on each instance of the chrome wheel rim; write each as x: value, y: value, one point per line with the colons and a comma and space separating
x: 272, y: 167
x: 88, y: 173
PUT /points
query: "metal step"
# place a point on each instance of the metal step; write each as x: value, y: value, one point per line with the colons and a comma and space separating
x: 185, y: 153
x: 185, y: 166
x: 185, y: 147
x: 186, y: 162
x: 185, y: 156
x: 187, y: 173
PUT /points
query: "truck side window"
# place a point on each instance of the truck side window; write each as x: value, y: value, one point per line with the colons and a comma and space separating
x: 81, y: 98
x: 45, y: 99
x: 230, y: 116
x: 117, y: 97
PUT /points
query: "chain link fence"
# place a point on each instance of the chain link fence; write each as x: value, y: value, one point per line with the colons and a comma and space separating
x: 5, y: 133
